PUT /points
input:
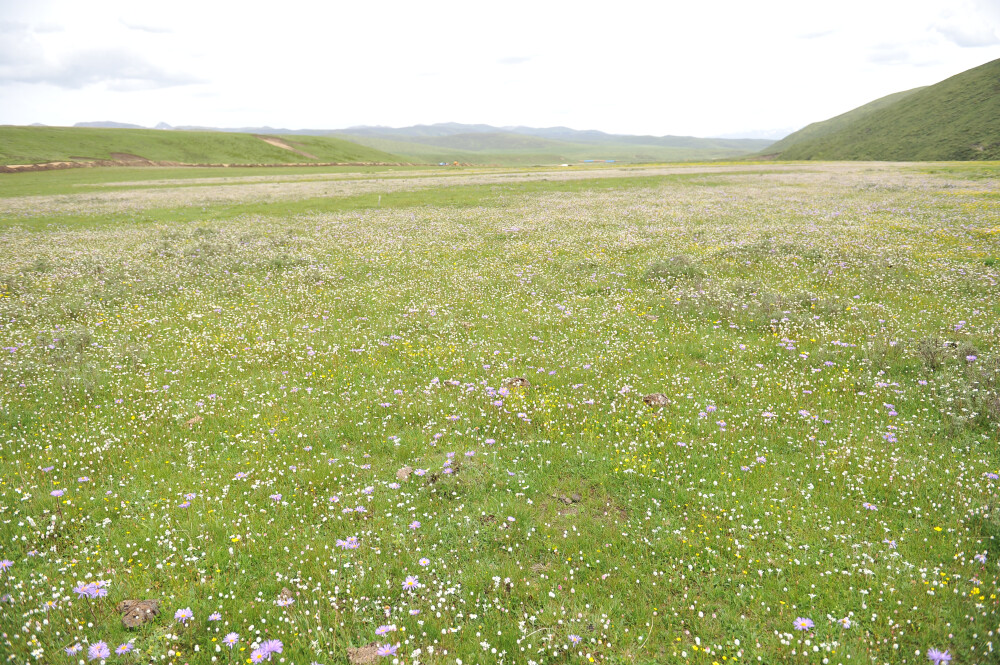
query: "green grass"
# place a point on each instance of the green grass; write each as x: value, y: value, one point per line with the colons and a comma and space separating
x: 824, y: 453
x: 34, y: 145
x: 956, y: 119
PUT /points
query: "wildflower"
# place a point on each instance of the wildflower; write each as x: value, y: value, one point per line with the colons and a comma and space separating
x: 184, y: 615
x: 414, y: 613
x: 802, y: 623
x: 57, y: 492
x: 890, y: 543
x: 241, y: 475
x: 761, y: 460
x: 424, y: 561
x: 257, y: 656
x: 382, y: 630
x: 230, y: 640
x: 73, y: 650
x: 414, y: 525
x: 215, y: 616
x: 970, y: 359
x: 845, y: 622
x: 411, y: 582
x: 284, y: 602
x: 981, y: 557
x: 869, y: 506
x: 123, y: 648
x: 186, y: 504
x: 98, y: 650
x: 992, y: 476
x: 276, y: 498
x: 270, y: 647
x: 938, y: 657
x: 387, y: 650
x: 5, y: 564
x: 575, y: 639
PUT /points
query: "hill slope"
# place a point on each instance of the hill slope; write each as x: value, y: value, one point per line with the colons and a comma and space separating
x: 35, y: 145
x: 956, y: 119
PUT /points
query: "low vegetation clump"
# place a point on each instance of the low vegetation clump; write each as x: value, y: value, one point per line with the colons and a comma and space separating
x: 741, y: 416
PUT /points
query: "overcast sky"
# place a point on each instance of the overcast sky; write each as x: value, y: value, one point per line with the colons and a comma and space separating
x: 707, y: 68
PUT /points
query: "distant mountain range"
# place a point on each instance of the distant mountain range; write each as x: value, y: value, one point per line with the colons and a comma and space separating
x: 956, y: 119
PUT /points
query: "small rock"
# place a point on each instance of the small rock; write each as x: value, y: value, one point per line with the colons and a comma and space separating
x: 194, y: 421
x: 656, y: 399
x: 286, y: 594
x: 566, y: 500
x: 517, y: 382
x: 138, y: 612
x: 363, y: 655
x: 404, y: 473
x: 576, y: 498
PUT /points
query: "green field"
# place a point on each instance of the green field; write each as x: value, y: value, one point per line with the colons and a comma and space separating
x: 698, y: 413
x: 35, y: 145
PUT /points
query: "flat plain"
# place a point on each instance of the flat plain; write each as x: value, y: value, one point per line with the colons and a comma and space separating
x: 701, y: 413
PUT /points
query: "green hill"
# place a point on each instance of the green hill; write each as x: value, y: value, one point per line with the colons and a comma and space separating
x: 956, y: 119
x: 36, y: 145
x: 508, y: 147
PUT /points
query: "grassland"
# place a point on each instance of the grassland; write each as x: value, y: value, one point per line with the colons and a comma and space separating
x: 281, y: 404
x: 35, y: 145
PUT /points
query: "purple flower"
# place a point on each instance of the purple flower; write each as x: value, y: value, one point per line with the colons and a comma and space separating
x: 411, y: 583
x: 230, y: 640
x: 5, y: 564
x: 73, y: 650
x: 387, y: 650
x: 98, y: 650
x: 184, y: 615
x: 869, y: 506
x: 575, y: 639
x: 382, y: 630
x: 414, y: 525
x: 970, y: 359
x: 57, y: 492
x: 938, y: 657
x: 424, y: 561
x: 258, y: 656
x: 123, y: 648
x: 802, y: 623
x: 215, y: 616
x: 981, y: 558
x: 271, y: 646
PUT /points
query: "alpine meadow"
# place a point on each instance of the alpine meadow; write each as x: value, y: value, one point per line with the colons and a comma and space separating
x: 691, y: 413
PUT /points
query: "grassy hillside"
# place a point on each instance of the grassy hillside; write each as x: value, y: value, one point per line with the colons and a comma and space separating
x: 823, y: 128
x: 520, y: 149
x: 33, y: 145
x: 956, y: 119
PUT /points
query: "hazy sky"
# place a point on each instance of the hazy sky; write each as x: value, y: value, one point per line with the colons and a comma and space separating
x: 658, y: 67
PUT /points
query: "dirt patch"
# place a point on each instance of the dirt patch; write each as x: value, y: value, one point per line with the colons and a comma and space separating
x: 278, y: 143
x: 363, y: 655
